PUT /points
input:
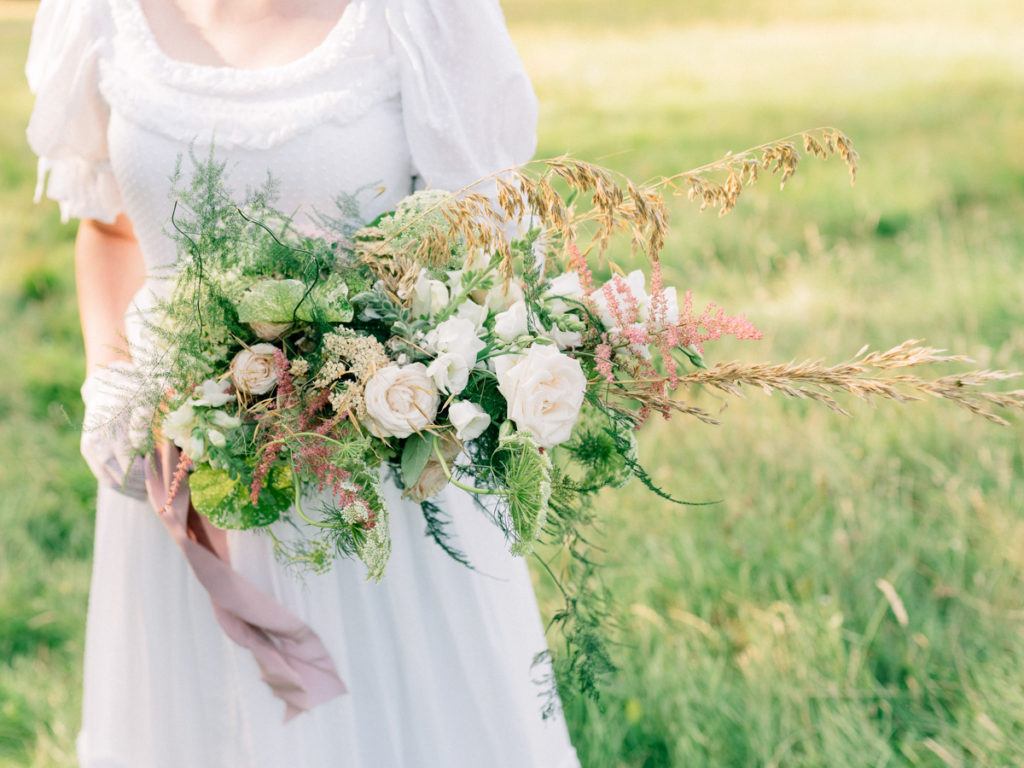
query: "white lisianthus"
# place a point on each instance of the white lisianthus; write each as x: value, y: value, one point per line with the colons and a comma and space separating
x: 194, y: 448
x: 622, y: 289
x: 501, y: 296
x: 475, y: 313
x: 544, y: 393
x: 449, y: 372
x: 512, y: 323
x: 671, y: 306
x: 565, y: 339
x: 178, y: 424
x: 400, y: 400
x: 477, y: 260
x: 502, y: 363
x: 429, y: 296
x: 253, y: 371
x: 456, y: 335
x: 469, y: 419
x: 213, y: 393
x: 216, y: 437
x: 225, y: 420
x: 566, y: 285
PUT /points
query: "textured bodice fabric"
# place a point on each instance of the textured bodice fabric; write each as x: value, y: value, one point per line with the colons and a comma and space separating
x: 437, y: 658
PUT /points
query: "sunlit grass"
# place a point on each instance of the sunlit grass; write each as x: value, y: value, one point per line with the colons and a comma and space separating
x: 755, y: 632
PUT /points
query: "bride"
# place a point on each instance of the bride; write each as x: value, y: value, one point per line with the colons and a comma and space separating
x: 327, y: 98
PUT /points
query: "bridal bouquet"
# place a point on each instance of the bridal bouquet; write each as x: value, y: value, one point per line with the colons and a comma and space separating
x: 484, y: 342
x: 294, y: 368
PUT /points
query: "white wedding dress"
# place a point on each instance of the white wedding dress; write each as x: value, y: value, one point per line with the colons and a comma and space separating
x: 437, y: 658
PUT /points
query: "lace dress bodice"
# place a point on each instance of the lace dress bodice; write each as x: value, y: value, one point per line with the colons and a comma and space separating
x: 398, y: 88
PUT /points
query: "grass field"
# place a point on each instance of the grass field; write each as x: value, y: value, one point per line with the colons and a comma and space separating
x: 755, y: 630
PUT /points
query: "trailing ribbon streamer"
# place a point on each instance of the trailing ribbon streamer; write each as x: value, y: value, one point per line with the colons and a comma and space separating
x: 291, y: 656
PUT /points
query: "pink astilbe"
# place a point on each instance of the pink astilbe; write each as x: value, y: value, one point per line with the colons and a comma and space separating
x: 308, y: 417
x: 623, y: 304
x: 711, y: 325
x: 268, y: 455
x: 657, y: 312
x: 636, y: 335
x: 316, y: 457
x: 603, y: 358
x: 285, y: 387
x: 662, y: 329
x: 578, y: 264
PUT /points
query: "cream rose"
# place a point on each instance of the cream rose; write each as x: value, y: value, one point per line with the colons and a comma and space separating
x: 269, y: 331
x: 544, y: 392
x: 432, y: 479
x: 253, y: 371
x: 400, y: 400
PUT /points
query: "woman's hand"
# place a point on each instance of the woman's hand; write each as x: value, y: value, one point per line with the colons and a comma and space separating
x: 109, y: 270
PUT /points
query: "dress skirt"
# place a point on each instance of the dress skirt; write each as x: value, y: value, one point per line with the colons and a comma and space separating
x: 438, y: 658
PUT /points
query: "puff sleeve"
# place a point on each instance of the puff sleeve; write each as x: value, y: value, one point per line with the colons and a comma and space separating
x: 468, y: 106
x: 68, y: 127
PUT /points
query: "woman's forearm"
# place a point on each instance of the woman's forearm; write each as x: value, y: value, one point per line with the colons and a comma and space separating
x: 108, y: 271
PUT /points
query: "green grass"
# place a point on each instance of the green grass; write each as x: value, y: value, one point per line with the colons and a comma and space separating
x: 754, y: 632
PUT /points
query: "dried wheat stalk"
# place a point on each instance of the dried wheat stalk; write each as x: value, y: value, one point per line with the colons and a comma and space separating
x: 814, y: 381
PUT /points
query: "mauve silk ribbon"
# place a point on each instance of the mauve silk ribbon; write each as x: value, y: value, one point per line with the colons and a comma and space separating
x: 292, y: 659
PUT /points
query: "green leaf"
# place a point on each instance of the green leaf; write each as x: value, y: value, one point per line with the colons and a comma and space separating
x: 283, y: 301
x: 415, y: 454
x: 226, y: 501
x: 603, y: 450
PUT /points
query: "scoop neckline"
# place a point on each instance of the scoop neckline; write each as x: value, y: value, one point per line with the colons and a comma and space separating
x: 313, y: 54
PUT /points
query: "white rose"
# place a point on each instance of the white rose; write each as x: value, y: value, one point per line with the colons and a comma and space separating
x: 429, y: 296
x: 512, y: 323
x: 253, y: 370
x: 544, y: 391
x: 449, y: 372
x: 456, y: 335
x: 469, y: 419
x: 400, y: 400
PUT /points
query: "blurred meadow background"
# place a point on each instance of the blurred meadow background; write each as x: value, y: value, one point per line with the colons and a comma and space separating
x: 856, y: 598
